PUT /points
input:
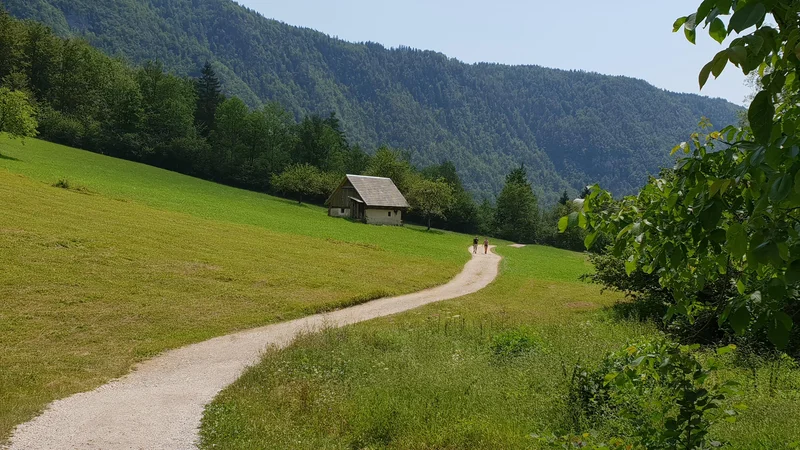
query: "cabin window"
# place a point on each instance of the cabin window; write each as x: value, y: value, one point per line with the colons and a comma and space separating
x: 390, y: 214
x: 341, y: 210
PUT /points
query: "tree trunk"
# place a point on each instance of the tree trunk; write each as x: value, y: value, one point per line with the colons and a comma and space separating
x: 429, y: 224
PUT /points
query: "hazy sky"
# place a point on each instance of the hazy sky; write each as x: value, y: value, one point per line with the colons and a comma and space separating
x: 622, y: 37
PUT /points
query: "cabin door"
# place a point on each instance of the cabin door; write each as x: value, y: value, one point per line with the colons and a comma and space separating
x: 357, y: 210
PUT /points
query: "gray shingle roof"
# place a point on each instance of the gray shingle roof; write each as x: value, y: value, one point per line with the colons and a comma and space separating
x: 378, y: 191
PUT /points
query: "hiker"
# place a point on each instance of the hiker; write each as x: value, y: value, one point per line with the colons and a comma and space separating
x: 486, y: 246
x: 475, y: 246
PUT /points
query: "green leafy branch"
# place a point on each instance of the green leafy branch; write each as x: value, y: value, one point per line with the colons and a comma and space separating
x: 730, y: 207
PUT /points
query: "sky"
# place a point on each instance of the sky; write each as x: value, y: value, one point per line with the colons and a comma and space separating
x: 622, y: 37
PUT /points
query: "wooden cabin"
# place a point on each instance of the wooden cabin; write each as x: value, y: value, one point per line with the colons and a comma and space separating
x: 372, y: 200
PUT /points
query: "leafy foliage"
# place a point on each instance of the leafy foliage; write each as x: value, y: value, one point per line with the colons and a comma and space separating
x: 733, y: 200
x: 391, y: 164
x: 570, y: 239
x: 431, y: 198
x: 17, y: 116
x: 570, y: 128
x: 304, y: 181
x: 657, y: 395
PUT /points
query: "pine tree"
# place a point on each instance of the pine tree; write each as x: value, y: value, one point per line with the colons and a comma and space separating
x: 517, y: 210
x: 564, y: 198
x: 518, y: 176
x: 209, y: 97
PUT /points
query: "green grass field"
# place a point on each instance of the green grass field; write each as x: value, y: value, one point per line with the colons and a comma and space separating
x: 428, y: 379
x: 132, y: 260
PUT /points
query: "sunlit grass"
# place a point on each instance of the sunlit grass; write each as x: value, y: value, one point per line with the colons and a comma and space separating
x: 428, y: 379
x: 165, y: 190
x: 104, y: 263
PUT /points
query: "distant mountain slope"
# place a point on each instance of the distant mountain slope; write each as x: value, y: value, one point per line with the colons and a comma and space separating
x: 569, y: 128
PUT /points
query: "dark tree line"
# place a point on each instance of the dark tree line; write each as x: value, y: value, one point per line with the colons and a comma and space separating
x: 569, y: 128
x: 87, y: 100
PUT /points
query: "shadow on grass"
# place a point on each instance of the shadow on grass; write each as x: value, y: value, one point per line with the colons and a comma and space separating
x: 289, y: 201
x: 638, y: 310
x: 423, y: 230
x: 353, y: 301
x: 8, y: 158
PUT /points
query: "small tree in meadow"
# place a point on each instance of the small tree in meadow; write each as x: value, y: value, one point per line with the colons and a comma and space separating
x: 17, y: 115
x: 430, y: 197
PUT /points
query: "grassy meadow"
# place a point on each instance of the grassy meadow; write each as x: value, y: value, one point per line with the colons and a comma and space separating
x: 433, y: 378
x: 105, y: 262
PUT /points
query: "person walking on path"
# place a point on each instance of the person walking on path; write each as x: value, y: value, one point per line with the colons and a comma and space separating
x: 486, y: 246
x: 475, y: 246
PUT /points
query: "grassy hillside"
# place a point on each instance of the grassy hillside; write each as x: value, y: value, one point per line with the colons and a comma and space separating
x: 433, y: 377
x: 123, y: 261
x: 570, y: 128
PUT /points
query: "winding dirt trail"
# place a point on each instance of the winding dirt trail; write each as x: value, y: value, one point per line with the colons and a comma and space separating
x: 159, y: 405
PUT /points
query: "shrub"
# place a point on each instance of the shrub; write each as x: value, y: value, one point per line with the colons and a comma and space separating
x: 62, y: 183
x: 512, y: 343
x: 570, y: 239
x: 651, y: 302
x: 654, y: 394
x: 61, y: 128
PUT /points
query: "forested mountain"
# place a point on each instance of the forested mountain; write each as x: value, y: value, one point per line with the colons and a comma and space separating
x: 569, y: 128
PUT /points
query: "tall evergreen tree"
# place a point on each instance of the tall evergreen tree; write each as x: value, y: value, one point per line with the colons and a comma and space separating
x: 517, y: 210
x: 209, y: 97
x: 518, y: 176
x: 564, y: 198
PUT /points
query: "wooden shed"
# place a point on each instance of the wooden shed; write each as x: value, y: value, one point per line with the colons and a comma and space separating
x: 373, y: 200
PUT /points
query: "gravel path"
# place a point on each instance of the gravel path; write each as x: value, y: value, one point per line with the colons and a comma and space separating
x: 159, y: 405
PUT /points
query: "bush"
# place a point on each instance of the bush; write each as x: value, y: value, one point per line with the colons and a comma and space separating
x: 655, y: 395
x: 64, y: 183
x: 651, y: 302
x: 570, y: 239
x: 60, y: 128
x: 512, y: 343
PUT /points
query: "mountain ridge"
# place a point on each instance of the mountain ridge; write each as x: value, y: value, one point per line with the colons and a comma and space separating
x: 569, y: 127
